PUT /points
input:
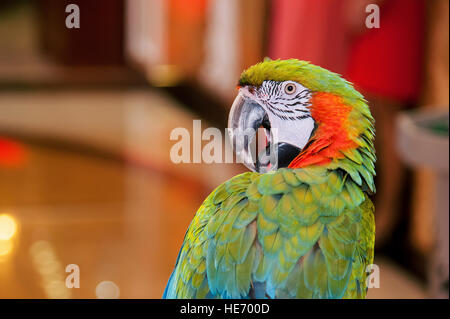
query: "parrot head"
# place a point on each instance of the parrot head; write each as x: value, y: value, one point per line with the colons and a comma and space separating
x: 311, y: 116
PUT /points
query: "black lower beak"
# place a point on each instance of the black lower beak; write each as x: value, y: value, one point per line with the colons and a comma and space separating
x: 284, y: 152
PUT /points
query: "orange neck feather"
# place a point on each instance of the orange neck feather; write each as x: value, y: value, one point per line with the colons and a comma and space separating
x: 331, y: 114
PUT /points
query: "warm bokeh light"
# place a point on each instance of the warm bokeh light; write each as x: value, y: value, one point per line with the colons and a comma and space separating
x: 50, y: 268
x: 8, y: 227
x: 12, y: 153
x: 107, y: 290
x: 6, y: 246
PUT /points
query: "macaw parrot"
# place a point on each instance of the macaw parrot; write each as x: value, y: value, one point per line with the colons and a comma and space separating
x: 301, y: 223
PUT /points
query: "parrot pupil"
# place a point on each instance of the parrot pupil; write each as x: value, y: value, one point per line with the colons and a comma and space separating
x: 290, y: 89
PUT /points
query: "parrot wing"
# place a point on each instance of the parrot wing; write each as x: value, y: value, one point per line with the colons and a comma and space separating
x: 293, y: 233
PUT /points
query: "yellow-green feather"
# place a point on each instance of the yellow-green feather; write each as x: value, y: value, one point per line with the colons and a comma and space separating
x: 251, y: 231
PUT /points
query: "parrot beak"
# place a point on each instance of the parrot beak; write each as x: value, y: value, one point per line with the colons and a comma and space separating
x: 246, y: 117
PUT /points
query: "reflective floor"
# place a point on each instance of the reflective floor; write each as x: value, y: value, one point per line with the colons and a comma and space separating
x: 88, y: 181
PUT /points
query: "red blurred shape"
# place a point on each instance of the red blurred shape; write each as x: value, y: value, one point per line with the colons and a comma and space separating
x: 12, y: 153
x: 189, y: 10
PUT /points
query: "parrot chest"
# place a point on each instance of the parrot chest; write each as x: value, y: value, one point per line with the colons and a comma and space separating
x: 290, y: 238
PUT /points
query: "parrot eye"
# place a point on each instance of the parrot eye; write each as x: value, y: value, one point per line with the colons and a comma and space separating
x: 290, y: 88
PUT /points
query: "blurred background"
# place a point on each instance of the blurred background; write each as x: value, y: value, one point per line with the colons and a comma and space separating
x: 86, y: 115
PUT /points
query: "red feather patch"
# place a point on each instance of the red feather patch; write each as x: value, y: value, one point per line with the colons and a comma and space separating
x: 331, y: 114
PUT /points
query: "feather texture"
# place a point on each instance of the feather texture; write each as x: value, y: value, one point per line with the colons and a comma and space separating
x: 282, y: 240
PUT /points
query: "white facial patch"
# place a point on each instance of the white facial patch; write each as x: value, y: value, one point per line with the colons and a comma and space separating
x: 287, y: 106
x: 295, y: 133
